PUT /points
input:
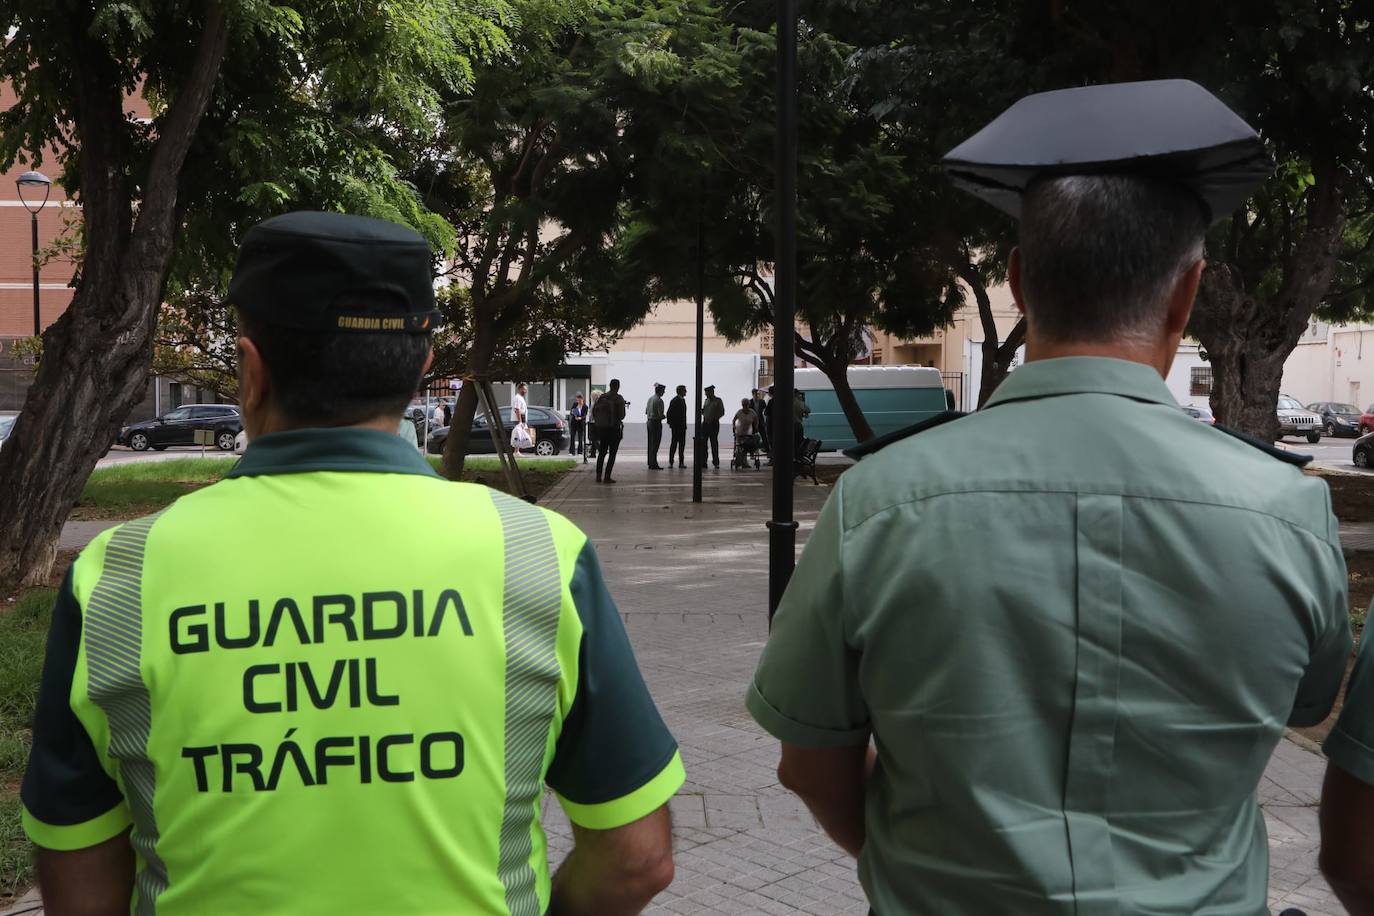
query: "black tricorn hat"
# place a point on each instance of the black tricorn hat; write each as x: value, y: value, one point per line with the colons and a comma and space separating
x: 1173, y: 130
x: 312, y: 271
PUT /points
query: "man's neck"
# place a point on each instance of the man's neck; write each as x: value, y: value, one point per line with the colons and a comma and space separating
x: 276, y: 424
x: 1154, y: 357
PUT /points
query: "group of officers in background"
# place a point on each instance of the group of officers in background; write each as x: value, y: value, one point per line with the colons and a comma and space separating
x: 752, y: 421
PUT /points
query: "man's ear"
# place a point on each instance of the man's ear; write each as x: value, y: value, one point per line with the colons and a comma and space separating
x: 255, y: 384
x: 1014, y: 279
x: 1183, y: 295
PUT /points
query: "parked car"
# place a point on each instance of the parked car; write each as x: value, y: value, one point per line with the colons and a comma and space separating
x: 1200, y: 413
x: 1367, y: 420
x: 6, y: 426
x: 1363, y: 455
x: 179, y: 427
x: 1337, y: 419
x: 550, y: 433
x: 1296, y: 420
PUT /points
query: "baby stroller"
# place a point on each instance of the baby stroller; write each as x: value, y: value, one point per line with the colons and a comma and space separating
x: 746, y: 450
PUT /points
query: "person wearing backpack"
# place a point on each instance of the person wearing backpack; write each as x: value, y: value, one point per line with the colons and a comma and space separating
x: 608, y: 417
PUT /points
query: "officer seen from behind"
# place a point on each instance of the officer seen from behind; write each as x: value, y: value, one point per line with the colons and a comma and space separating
x: 283, y: 694
x: 1075, y: 623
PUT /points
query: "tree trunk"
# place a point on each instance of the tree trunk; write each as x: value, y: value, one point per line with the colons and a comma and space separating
x: 838, y: 373
x: 96, y: 356
x: 478, y: 362
x: 460, y: 431
x: 1248, y: 338
x: 997, y: 359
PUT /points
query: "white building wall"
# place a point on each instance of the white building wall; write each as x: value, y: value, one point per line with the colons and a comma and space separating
x: 1180, y: 378
x: 1352, y: 369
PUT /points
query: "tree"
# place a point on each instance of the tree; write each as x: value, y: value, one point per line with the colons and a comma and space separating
x: 539, y: 169
x: 1300, y: 72
x: 864, y: 257
x: 167, y: 195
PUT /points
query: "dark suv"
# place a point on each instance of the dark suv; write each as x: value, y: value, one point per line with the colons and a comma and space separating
x: 1339, y: 419
x: 179, y: 427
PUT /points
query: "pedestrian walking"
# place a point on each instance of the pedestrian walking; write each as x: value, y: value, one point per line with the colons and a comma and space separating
x: 654, y: 414
x: 712, y: 412
x: 1075, y: 622
x: 677, y: 426
x: 608, y: 416
x: 324, y: 717
x: 577, y: 426
x: 440, y: 415
x: 519, y: 406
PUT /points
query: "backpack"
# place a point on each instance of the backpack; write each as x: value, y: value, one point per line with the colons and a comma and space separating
x: 603, y: 411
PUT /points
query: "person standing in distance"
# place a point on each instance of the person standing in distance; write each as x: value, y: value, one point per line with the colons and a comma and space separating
x: 519, y: 405
x: 653, y: 414
x: 760, y: 408
x: 451, y: 668
x: 577, y: 426
x: 677, y: 426
x: 1076, y: 622
x: 608, y: 416
x: 712, y: 412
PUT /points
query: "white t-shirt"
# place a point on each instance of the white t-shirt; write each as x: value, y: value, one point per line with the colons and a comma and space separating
x: 519, y: 409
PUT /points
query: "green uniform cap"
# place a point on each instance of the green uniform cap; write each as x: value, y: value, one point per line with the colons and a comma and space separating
x: 307, y: 270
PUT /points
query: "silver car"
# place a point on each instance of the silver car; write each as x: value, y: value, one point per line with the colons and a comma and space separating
x: 1296, y: 420
x: 7, y: 426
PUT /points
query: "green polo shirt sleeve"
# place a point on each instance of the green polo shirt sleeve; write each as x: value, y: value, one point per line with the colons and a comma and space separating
x: 615, y: 760
x: 806, y: 689
x: 1321, y: 681
x: 1350, y: 745
x: 70, y: 801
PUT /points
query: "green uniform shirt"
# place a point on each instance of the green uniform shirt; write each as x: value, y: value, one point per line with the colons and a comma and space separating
x: 653, y: 408
x: 1075, y: 624
x: 1351, y: 743
x: 337, y: 683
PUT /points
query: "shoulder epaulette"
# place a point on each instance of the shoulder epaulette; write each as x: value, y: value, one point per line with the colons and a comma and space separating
x: 1294, y: 458
x: 879, y: 443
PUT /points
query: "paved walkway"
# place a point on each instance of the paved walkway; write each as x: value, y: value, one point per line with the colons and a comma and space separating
x: 691, y: 583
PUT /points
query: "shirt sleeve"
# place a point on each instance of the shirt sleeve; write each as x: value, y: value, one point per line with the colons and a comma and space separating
x: 806, y: 689
x: 1350, y: 745
x: 70, y: 802
x: 1321, y: 681
x: 615, y: 761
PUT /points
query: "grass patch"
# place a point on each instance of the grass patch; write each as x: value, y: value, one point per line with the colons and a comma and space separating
x: 141, y: 487
x: 23, y: 634
x: 526, y: 465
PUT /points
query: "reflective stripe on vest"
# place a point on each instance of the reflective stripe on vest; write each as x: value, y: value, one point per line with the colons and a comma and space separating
x: 532, y: 604
x: 113, y: 636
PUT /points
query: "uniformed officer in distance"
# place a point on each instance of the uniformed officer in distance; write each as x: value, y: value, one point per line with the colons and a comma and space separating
x: 1076, y: 622
x: 335, y: 682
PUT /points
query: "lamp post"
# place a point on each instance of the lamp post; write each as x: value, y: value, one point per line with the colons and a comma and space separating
x: 782, y: 528
x: 30, y: 182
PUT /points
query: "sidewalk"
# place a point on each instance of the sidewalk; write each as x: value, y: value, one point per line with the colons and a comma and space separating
x: 691, y: 583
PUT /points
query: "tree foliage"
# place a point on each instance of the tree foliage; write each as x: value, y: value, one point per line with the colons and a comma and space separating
x: 251, y: 108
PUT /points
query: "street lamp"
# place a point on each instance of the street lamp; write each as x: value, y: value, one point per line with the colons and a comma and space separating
x: 29, y: 183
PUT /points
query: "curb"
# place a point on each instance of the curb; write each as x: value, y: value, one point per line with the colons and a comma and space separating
x: 558, y: 494
x: 1306, y: 744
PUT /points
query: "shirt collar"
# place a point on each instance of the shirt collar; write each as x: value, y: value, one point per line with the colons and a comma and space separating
x: 1083, y: 375
x: 301, y: 451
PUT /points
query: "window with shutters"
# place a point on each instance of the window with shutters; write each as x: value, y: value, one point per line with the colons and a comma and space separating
x: 1201, y: 382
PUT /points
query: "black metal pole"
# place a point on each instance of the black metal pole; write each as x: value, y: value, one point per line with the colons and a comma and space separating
x: 782, y: 528
x: 698, y: 442
x: 37, y: 320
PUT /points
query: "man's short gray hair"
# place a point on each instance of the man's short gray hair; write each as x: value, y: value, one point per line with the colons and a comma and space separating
x: 1101, y: 253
